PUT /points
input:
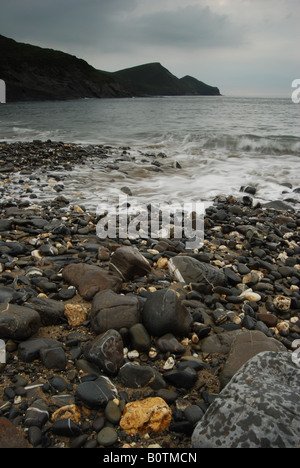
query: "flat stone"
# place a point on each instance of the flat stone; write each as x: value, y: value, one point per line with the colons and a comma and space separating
x: 259, y: 408
x: 190, y: 270
x: 90, y: 279
x: 111, y: 310
x: 246, y: 345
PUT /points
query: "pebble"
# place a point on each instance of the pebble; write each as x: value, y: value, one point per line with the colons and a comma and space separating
x: 107, y: 437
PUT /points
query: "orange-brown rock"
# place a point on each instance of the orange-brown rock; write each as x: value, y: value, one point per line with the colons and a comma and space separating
x: 76, y: 314
x: 149, y: 415
x: 90, y: 279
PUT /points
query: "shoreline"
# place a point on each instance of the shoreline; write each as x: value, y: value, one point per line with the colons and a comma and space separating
x: 255, y: 250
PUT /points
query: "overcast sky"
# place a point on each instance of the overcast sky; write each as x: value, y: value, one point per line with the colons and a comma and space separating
x: 241, y: 46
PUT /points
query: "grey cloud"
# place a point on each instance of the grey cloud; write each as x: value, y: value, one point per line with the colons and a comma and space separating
x: 113, y: 25
x: 191, y: 26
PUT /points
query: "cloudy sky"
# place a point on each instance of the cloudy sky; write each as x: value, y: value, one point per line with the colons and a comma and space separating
x: 242, y: 46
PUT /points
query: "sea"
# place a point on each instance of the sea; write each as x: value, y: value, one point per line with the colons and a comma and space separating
x: 208, y: 146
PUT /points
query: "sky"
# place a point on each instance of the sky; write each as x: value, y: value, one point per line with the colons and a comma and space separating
x: 245, y: 47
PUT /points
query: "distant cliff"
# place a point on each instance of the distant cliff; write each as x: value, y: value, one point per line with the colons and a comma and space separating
x: 34, y: 73
x: 153, y: 79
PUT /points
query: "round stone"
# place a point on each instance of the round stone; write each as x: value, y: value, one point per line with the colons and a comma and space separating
x: 107, y: 437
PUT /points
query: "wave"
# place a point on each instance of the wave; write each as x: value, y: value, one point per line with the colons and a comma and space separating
x: 197, y: 143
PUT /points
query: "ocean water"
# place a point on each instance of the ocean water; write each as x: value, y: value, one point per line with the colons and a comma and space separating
x: 211, y: 145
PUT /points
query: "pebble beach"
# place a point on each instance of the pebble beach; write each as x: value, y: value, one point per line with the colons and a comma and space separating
x: 143, y: 343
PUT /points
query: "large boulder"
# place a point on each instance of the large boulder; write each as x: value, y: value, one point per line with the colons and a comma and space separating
x: 128, y: 262
x: 164, y: 312
x: 90, y: 279
x: 258, y: 408
x: 18, y: 323
x: 113, y: 311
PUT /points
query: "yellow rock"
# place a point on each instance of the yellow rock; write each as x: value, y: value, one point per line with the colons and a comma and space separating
x: 149, y: 415
x: 67, y: 412
x: 162, y: 263
x: 76, y: 314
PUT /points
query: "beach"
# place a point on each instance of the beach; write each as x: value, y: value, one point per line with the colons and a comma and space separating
x: 93, y: 325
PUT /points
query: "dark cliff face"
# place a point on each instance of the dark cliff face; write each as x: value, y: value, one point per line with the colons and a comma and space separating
x: 33, y: 73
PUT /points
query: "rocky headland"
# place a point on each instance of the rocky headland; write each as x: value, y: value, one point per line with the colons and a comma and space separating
x: 33, y: 73
x: 143, y: 343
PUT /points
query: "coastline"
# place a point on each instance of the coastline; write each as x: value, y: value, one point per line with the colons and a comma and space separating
x: 256, y: 248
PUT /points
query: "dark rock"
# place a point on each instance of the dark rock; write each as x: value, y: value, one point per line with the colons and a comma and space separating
x: 35, y: 436
x: 113, y: 412
x: 5, y: 224
x: 136, y: 376
x: 29, y: 350
x: 110, y: 310
x: 139, y: 338
x: 232, y: 277
x: 53, y: 358
x: 128, y: 262
x: 190, y: 270
x: 18, y: 323
x: 90, y: 279
x: 181, y: 378
x: 193, y: 414
x: 37, y: 414
x: 106, y: 351
x: 7, y: 294
x: 279, y: 205
x: 164, y: 313
x: 51, y: 312
x: 269, y: 319
x: 259, y: 408
x: 169, y: 344
x: 96, y: 393
x: 65, y: 428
